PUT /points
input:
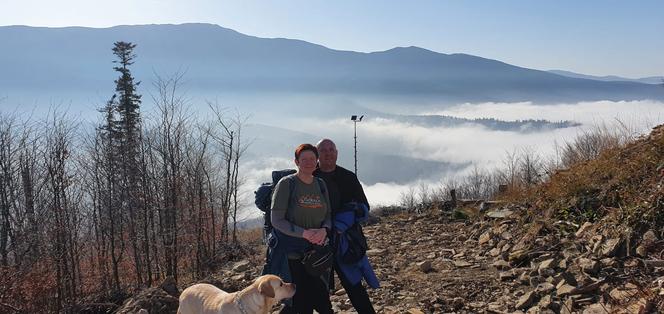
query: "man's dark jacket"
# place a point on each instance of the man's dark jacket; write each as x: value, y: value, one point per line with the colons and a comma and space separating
x: 343, y: 187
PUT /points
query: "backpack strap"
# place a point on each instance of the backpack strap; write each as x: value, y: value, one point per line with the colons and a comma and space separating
x: 323, y: 190
x: 291, y: 193
x: 322, y: 185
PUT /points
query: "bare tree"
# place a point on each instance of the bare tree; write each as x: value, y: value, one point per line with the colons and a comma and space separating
x: 63, y: 222
x: 531, y: 167
x: 168, y: 144
x: 509, y: 173
x: 238, y: 151
x: 229, y: 140
x: 424, y: 193
x: 408, y: 199
x: 7, y: 180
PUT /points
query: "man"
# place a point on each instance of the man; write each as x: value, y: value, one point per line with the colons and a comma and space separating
x: 343, y: 187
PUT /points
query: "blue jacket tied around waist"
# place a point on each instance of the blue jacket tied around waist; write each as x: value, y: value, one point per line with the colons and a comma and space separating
x: 279, y: 246
x: 353, y: 213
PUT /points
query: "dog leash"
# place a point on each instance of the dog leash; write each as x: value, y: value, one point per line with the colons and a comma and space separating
x: 240, y: 306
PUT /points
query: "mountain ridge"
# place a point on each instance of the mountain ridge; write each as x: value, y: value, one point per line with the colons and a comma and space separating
x: 221, y: 59
x: 610, y: 78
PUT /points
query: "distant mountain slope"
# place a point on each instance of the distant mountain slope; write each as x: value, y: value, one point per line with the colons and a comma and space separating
x: 529, y: 125
x: 77, y: 59
x: 611, y: 78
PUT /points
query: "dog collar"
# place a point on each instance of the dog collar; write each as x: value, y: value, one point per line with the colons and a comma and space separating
x: 240, y: 306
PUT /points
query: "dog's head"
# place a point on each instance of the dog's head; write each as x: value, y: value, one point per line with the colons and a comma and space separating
x: 273, y: 287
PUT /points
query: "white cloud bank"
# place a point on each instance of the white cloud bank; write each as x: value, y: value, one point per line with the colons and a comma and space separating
x: 469, y: 143
x: 487, y: 148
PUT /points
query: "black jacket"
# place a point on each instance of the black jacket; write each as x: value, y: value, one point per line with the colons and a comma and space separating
x: 343, y: 187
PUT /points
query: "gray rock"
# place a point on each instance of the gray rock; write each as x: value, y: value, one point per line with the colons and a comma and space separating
x: 458, y: 303
x: 565, y: 278
x: 462, y: 264
x: 624, y: 293
x: 583, y: 229
x: 506, y: 235
x: 526, y: 300
x: 609, y: 262
x: 517, y: 255
x: 170, y: 286
x: 494, y: 252
x: 562, y: 264
x: 570, y: 253
x: 546, y: 272
x: 596, y: 242
x: 535, y: 280
x: 241, y: 266
x: 424, y: 266
x: 484, y: 238
x: 568, y: 306
x: 377, y: 252
x: 499, y: 213
x: 646, y: 244
x: 588, y: 265
x: 545, y: 302
x: 545, y: 288
x: 565, y: 289
x: 154, y: 300
x: 507, y: 275
x: 496, y: 307
x: 501, y: 265
x: 610, y: 247
x: 597, y: 308
x: 549, y: 263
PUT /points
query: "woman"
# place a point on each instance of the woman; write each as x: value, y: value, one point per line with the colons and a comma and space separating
x: 301, y: 217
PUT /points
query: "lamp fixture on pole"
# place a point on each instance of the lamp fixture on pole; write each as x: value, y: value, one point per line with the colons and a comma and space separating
x: 355, y: 120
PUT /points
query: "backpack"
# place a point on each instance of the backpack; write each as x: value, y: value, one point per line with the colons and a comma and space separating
x: 263, y: 196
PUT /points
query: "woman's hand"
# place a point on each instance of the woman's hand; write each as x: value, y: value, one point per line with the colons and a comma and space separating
x: 315, y: 236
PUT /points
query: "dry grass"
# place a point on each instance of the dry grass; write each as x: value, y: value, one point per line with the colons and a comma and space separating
x: 625, y: 181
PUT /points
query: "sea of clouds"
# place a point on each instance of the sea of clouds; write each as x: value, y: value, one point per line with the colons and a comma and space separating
x: 470, y: 143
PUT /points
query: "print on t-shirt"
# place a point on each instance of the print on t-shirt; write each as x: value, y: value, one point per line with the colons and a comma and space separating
x: 310, y: 201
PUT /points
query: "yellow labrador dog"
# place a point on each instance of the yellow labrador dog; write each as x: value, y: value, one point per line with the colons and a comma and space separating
x: 259, y: 297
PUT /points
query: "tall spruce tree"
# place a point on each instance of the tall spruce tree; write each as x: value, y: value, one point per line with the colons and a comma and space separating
x: 128, y: 99
x: 128, y: 105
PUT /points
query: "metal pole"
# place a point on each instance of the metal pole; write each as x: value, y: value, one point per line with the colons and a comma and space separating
x: 355, y: 136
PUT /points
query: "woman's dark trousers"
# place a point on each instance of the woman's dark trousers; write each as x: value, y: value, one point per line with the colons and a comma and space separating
x: 311, y: 292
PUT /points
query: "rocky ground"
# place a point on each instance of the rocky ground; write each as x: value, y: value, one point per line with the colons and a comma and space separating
x: 430, y: 263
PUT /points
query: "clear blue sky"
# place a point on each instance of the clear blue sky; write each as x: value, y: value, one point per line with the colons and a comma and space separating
x: 588, y: 36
